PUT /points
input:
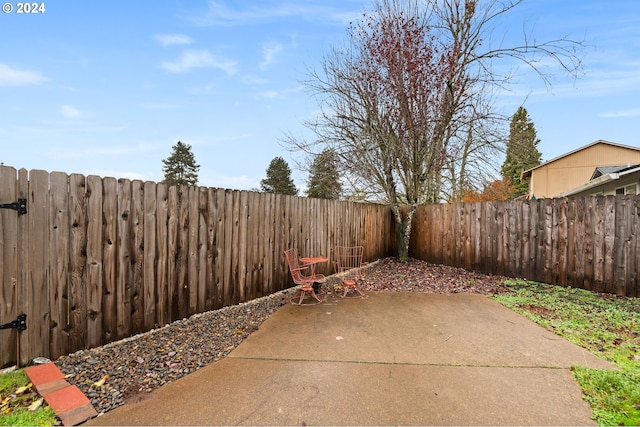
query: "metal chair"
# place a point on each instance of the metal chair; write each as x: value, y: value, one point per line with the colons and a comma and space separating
x: 349, y: 265
x: 305, y: 281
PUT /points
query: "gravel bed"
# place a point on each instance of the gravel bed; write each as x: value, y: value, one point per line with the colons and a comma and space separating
x: 127, y: 370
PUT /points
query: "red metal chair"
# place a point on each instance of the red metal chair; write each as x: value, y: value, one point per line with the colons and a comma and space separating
x: 349, y: 265
x: 306, y: 282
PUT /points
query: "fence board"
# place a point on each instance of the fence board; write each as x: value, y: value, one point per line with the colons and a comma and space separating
x: 270, y: 244
x: 562, y: 247
x: 162, y: 260
x: 24, y: 266
x: 173, y: 287
x: 609, y: 243
x: 149, y: 256
x: 137, y: 256
x: 93, y: 271
x: 599, y: 242
x: 9, y: 287
x: 227, y: 242
x: 571, y: 244
x: 241, y: 244
x: 633, y: 282
x: 211, y: 285
x: 109, y: 259
x: 77, y: 263
x: 498, y: 241
x: 59, y: 263
x: 202, y: 248
x: 36, y: 290
x: 219, y: 247
x: 124, y: 277
x: 182, y: 260
x: 260, y: 247
x: 589, y: 246
x: 534, y: 236
x: 577, y: 254
x: 193, y: 225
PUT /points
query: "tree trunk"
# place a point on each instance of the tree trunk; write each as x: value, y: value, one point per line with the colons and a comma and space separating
x: 403, y: 229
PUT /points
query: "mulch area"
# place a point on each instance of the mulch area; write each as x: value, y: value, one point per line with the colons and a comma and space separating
x: 127, y: 370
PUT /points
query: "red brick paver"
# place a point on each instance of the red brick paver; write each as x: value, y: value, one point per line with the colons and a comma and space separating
x: 68, y: 402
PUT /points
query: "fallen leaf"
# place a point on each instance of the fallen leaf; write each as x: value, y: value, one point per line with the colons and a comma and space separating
x: 22, y: 389
x: 338, y: 338
x: 101, y: 382
x: 36, y: 404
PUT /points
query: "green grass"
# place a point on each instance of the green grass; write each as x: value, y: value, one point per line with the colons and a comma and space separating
x: 606, y: 325
x: 16, y: 395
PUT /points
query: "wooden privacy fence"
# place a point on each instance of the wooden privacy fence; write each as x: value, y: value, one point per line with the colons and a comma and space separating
x: 98, y: 259
x: 585, y: 242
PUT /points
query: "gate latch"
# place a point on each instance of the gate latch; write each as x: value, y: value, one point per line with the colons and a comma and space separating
x: 20, y: 206
x: 20, y: 323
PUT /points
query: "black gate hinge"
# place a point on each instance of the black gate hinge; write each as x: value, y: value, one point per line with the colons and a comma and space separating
x: 20, y: 206
x: 20, y: 323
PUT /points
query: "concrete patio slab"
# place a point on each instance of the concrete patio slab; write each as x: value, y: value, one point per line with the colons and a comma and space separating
x: 390, y: 359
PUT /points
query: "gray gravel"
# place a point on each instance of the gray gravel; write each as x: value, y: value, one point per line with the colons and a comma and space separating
x: 125, y: 371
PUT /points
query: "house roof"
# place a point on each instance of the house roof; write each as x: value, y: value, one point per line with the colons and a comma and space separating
x: 527, y: 173
x: 604, y: 170
x: 602, y: 179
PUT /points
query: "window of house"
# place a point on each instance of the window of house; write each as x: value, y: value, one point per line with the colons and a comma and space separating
x: 629, y: 189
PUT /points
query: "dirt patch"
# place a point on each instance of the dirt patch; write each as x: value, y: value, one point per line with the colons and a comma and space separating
x: 540, y: 311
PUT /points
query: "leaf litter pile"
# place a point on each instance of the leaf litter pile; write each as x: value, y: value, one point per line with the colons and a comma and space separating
x: 126, y: 371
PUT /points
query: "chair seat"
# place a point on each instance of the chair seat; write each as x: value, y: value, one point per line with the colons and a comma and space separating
x: 348, y: 265
x: 299, y: 278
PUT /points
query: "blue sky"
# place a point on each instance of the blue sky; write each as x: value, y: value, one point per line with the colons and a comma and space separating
x: 108, y: 87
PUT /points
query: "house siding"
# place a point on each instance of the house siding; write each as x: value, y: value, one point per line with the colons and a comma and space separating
x: 560, y: 175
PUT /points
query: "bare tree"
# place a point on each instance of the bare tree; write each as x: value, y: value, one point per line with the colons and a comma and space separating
x: 402, y: 103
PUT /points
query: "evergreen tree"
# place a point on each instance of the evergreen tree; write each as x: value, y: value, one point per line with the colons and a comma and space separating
x: 324, y: 179
x: 180, y: 167
x: 278, y: 178
x: 522, y: 151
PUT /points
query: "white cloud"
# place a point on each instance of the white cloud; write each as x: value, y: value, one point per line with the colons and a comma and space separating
x: 633, y: 112
x: 12, y: 77
x: 220, y: 14
x: 199, y: 59
x: 69, y: 112
x: 269, y: 51
x: 270, y: 94
x: 173, y: 39
x: 241, y: 182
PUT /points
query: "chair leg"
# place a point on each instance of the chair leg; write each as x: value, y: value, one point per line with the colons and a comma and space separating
x: 303, y: 293
x: 353, y: 287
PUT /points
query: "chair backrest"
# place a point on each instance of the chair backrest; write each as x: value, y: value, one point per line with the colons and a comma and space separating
x: 349, y: 260
x: 294, y: 265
